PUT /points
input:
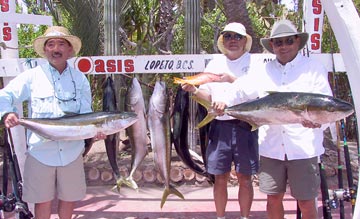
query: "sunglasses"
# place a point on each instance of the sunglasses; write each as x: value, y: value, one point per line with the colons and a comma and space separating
x: 229, y: 36
x: 288, y: 41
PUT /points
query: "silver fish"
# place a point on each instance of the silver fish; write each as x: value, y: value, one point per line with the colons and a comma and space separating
x: 79, y: 126
x: 280, y: 108
x: 159, y: 127
x: 134, y: 102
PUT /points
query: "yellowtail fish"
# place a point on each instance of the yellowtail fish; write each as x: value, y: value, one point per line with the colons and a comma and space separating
x: 279, y: 108
x: 79, y: 126
x: 160, y: 136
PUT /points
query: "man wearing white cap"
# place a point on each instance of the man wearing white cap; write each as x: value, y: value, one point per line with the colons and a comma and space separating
x: 230, y: 140
x: 52, y: 168
x: 289, y: 153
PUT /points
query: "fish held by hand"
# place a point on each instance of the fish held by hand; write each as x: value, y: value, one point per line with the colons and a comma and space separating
x: 199, y: 79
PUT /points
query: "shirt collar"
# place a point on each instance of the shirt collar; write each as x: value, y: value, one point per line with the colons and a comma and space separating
x: 55, y: 71
x: 290, y: 64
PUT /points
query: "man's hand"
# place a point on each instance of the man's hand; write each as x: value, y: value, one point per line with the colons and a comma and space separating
x: 11, y: 120
x: 188, y: 88
x: 219, y: 107
x: 309, y: 124
x: 224, y: 77
x: 99, y: 136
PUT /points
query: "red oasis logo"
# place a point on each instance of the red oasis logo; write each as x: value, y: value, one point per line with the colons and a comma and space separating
x: 315, y: 37
x: 6, y: 30
x: 100, y: 66
x: 4, y: 5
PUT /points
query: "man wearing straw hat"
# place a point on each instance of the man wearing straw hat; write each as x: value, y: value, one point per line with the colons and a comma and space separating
x: 230, y: 140
x: 52, y: 168
x: 289, y: 153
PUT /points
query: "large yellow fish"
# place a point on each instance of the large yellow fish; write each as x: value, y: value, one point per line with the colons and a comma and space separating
x: 198, y: 79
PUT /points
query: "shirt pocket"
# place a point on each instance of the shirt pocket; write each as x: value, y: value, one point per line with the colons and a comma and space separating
x: 42, y: 103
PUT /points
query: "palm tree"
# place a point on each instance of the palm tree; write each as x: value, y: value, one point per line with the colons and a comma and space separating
x: 236, y: 11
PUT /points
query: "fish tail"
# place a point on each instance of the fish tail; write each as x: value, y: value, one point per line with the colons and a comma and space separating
x: 119, y: 182
x: 167, y: 192
x: 207, y: 105
x: 129, y: 181
x: 178, y: 80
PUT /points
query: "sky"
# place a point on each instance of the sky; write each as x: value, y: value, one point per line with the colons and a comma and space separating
x: 288, y: 3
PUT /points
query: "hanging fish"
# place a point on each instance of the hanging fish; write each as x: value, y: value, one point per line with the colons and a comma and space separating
x: 160, y: 136
x: 134, y: 102
x: 180, y: 132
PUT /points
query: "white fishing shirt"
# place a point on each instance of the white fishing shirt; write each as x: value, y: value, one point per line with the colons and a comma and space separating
x: 219, y: 90
x: 49, y: 94
x: 295, y: 141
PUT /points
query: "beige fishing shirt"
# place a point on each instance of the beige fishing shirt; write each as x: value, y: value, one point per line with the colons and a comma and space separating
x: 50, y: 95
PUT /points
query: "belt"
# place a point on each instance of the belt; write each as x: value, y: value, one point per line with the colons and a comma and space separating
x: 238, y: 122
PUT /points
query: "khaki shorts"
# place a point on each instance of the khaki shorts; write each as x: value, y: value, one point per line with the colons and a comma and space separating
x: 43, y: 183
x: 302, y: 176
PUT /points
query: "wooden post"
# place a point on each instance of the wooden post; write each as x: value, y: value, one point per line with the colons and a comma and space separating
x: 192, y: 46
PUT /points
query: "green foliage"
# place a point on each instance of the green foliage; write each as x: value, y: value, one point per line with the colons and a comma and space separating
x: 264, y: 15
x: 211, y: 24
x: 178, y: 43
x: 26, y: 34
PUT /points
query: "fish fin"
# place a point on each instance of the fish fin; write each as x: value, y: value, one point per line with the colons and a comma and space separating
x: 69, y: 114
x: 272, y: 92
x: 167, y: 192
x: 254, y: 127
x: 178, y: 80
x: 206, y: 120
x: 202, y: 102
x: 207, y: 105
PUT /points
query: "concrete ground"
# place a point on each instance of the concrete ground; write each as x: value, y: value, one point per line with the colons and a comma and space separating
x: 103, y: 203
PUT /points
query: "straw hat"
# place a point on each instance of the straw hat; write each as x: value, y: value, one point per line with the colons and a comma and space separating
x: 284, y: 28
x: 236, y: 28
x: 55, y: 32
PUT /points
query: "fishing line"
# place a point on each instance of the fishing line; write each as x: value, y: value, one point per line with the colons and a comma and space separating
x: 325, y: 197
x: 338, y: 150
x: 20, y: 207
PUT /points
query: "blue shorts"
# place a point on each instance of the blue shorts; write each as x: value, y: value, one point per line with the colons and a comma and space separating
x: 232, y: 141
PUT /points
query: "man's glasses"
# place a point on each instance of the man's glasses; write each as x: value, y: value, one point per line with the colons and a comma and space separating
x: 229, y: 36
x: 288, y: 41
x: 72, y: 97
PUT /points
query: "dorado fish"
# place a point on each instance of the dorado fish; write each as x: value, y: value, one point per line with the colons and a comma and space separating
x: 198, y: 79
x: 204, y: 137
x: 180, y: 131
x: 111, y: 141
x: 279, y: 108
x: 159, y: 127
x: 134, y: 102
x: 79, y: 126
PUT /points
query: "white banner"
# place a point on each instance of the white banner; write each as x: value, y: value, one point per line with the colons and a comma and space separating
x: 147, y: 63
x: 313, y: 24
